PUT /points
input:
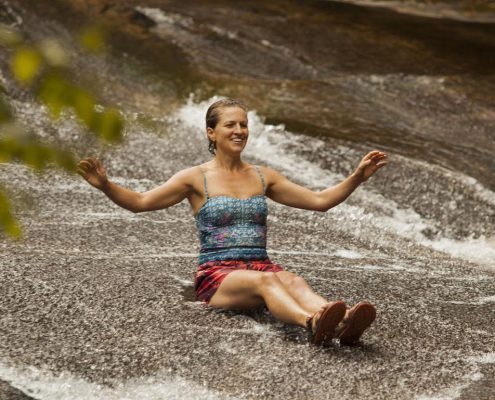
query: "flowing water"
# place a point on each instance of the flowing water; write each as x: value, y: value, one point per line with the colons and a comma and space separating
x: 97, y: 302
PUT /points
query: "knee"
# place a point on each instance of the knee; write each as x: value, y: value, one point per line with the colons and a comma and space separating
x: 297, y: 283
x: 269, y: 280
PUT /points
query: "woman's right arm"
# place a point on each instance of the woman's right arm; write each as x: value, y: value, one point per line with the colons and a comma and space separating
x: 176, y: 189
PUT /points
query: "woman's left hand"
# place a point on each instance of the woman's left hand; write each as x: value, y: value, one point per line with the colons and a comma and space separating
x: 370, y: 163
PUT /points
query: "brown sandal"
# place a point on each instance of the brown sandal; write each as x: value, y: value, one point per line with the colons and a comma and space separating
x: 359, y: 318
x: 329, y: 318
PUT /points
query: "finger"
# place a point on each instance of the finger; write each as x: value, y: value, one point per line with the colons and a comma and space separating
x: 81, y: 172
x: 90, y: 160
x: 93, y: 162
x: 370, y: 154
x: 86, y: 165
x: 378, y: 157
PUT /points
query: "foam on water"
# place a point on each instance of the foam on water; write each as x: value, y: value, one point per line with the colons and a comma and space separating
x: 45, y: 385
x: 487, y: 358
x: 455, y: 391
x: 488, y: 299
x: 274, y: 144
x: 348, y: 254
x: 162, y: 18
x: 480, y: 250
x: 479, y: 302
x: 475, y: 375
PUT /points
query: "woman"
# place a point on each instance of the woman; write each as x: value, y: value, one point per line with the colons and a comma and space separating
x: 227, y: 197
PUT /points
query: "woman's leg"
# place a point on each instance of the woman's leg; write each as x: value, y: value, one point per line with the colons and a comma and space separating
x: 243, y: 289
x: 302, y: 293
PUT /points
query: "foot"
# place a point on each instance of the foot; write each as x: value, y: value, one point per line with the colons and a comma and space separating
x: 355, y: 322
x: 321, y: 326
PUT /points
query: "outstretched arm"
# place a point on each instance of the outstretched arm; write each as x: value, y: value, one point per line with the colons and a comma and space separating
x: 281, y: 190
x: 176, y: 189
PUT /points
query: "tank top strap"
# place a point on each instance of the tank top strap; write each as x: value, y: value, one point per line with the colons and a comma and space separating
x: 262, y: 178
x: 204, y: 180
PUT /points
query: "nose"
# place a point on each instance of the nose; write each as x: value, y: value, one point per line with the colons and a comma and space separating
x: 237, y: 128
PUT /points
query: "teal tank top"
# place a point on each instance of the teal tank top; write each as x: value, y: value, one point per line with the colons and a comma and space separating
x: 230, y: 228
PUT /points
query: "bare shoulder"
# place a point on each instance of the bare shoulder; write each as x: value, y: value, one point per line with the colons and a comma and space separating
x: 271, y: 176
x: 188, y: 175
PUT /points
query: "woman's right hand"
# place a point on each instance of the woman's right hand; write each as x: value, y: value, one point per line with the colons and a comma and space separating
x: 93, y: 171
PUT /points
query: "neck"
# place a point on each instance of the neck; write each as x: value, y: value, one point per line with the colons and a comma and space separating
x: 228, y: 162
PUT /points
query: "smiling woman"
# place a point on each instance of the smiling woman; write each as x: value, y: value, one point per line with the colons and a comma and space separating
x: 213, y: 116
x: 228, y: 198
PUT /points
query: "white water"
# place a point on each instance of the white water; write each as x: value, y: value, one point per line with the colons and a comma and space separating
x: 44, y: 385
x: 471, y: 377
x: 272, y: 144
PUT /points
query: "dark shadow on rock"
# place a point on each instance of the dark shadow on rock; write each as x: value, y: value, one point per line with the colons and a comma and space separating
x: 187, y: 292
x: 8, y: 392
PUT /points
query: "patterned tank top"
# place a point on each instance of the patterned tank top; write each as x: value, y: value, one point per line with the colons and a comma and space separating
x: 230, y: 228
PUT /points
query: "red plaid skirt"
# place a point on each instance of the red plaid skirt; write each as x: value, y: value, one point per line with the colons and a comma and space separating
x: 211, y: 274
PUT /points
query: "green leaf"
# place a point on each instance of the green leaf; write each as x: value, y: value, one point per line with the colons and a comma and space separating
x: 31, y: 152
x: 109, y: 125
x: 64, y: 159
x: 93, y: 39
x: 5, y: 154
x: 7, y: 221
x: 83, y: 104
x: 9, y: 148
x: 53, y: 91
x: 26, y: 63
x: 34, y: 156
x: 5, y: 111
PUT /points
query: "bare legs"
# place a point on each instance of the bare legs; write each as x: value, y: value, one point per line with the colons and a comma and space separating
x: 288, y: 297
x: 301, y: 291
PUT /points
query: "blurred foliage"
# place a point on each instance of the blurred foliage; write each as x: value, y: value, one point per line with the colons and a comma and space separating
x: 26, y: 63
x: 44, y: 69
x: 7, y: 220
x: 93, y: 39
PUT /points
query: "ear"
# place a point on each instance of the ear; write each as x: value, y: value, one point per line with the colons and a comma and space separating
x: 210, y: 132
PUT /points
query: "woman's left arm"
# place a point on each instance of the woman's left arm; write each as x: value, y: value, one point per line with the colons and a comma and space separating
x: 283, y: 191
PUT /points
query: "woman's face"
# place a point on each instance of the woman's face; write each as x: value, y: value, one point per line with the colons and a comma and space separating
x: 231, y: 132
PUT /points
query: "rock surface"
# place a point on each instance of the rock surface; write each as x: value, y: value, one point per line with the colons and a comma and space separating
x: 106, y: 296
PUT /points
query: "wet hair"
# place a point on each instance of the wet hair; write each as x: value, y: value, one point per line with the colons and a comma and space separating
x: 213, y: 116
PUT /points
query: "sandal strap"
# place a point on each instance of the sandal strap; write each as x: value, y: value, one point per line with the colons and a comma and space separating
x: 309, y: 327
x: 309, y: 322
